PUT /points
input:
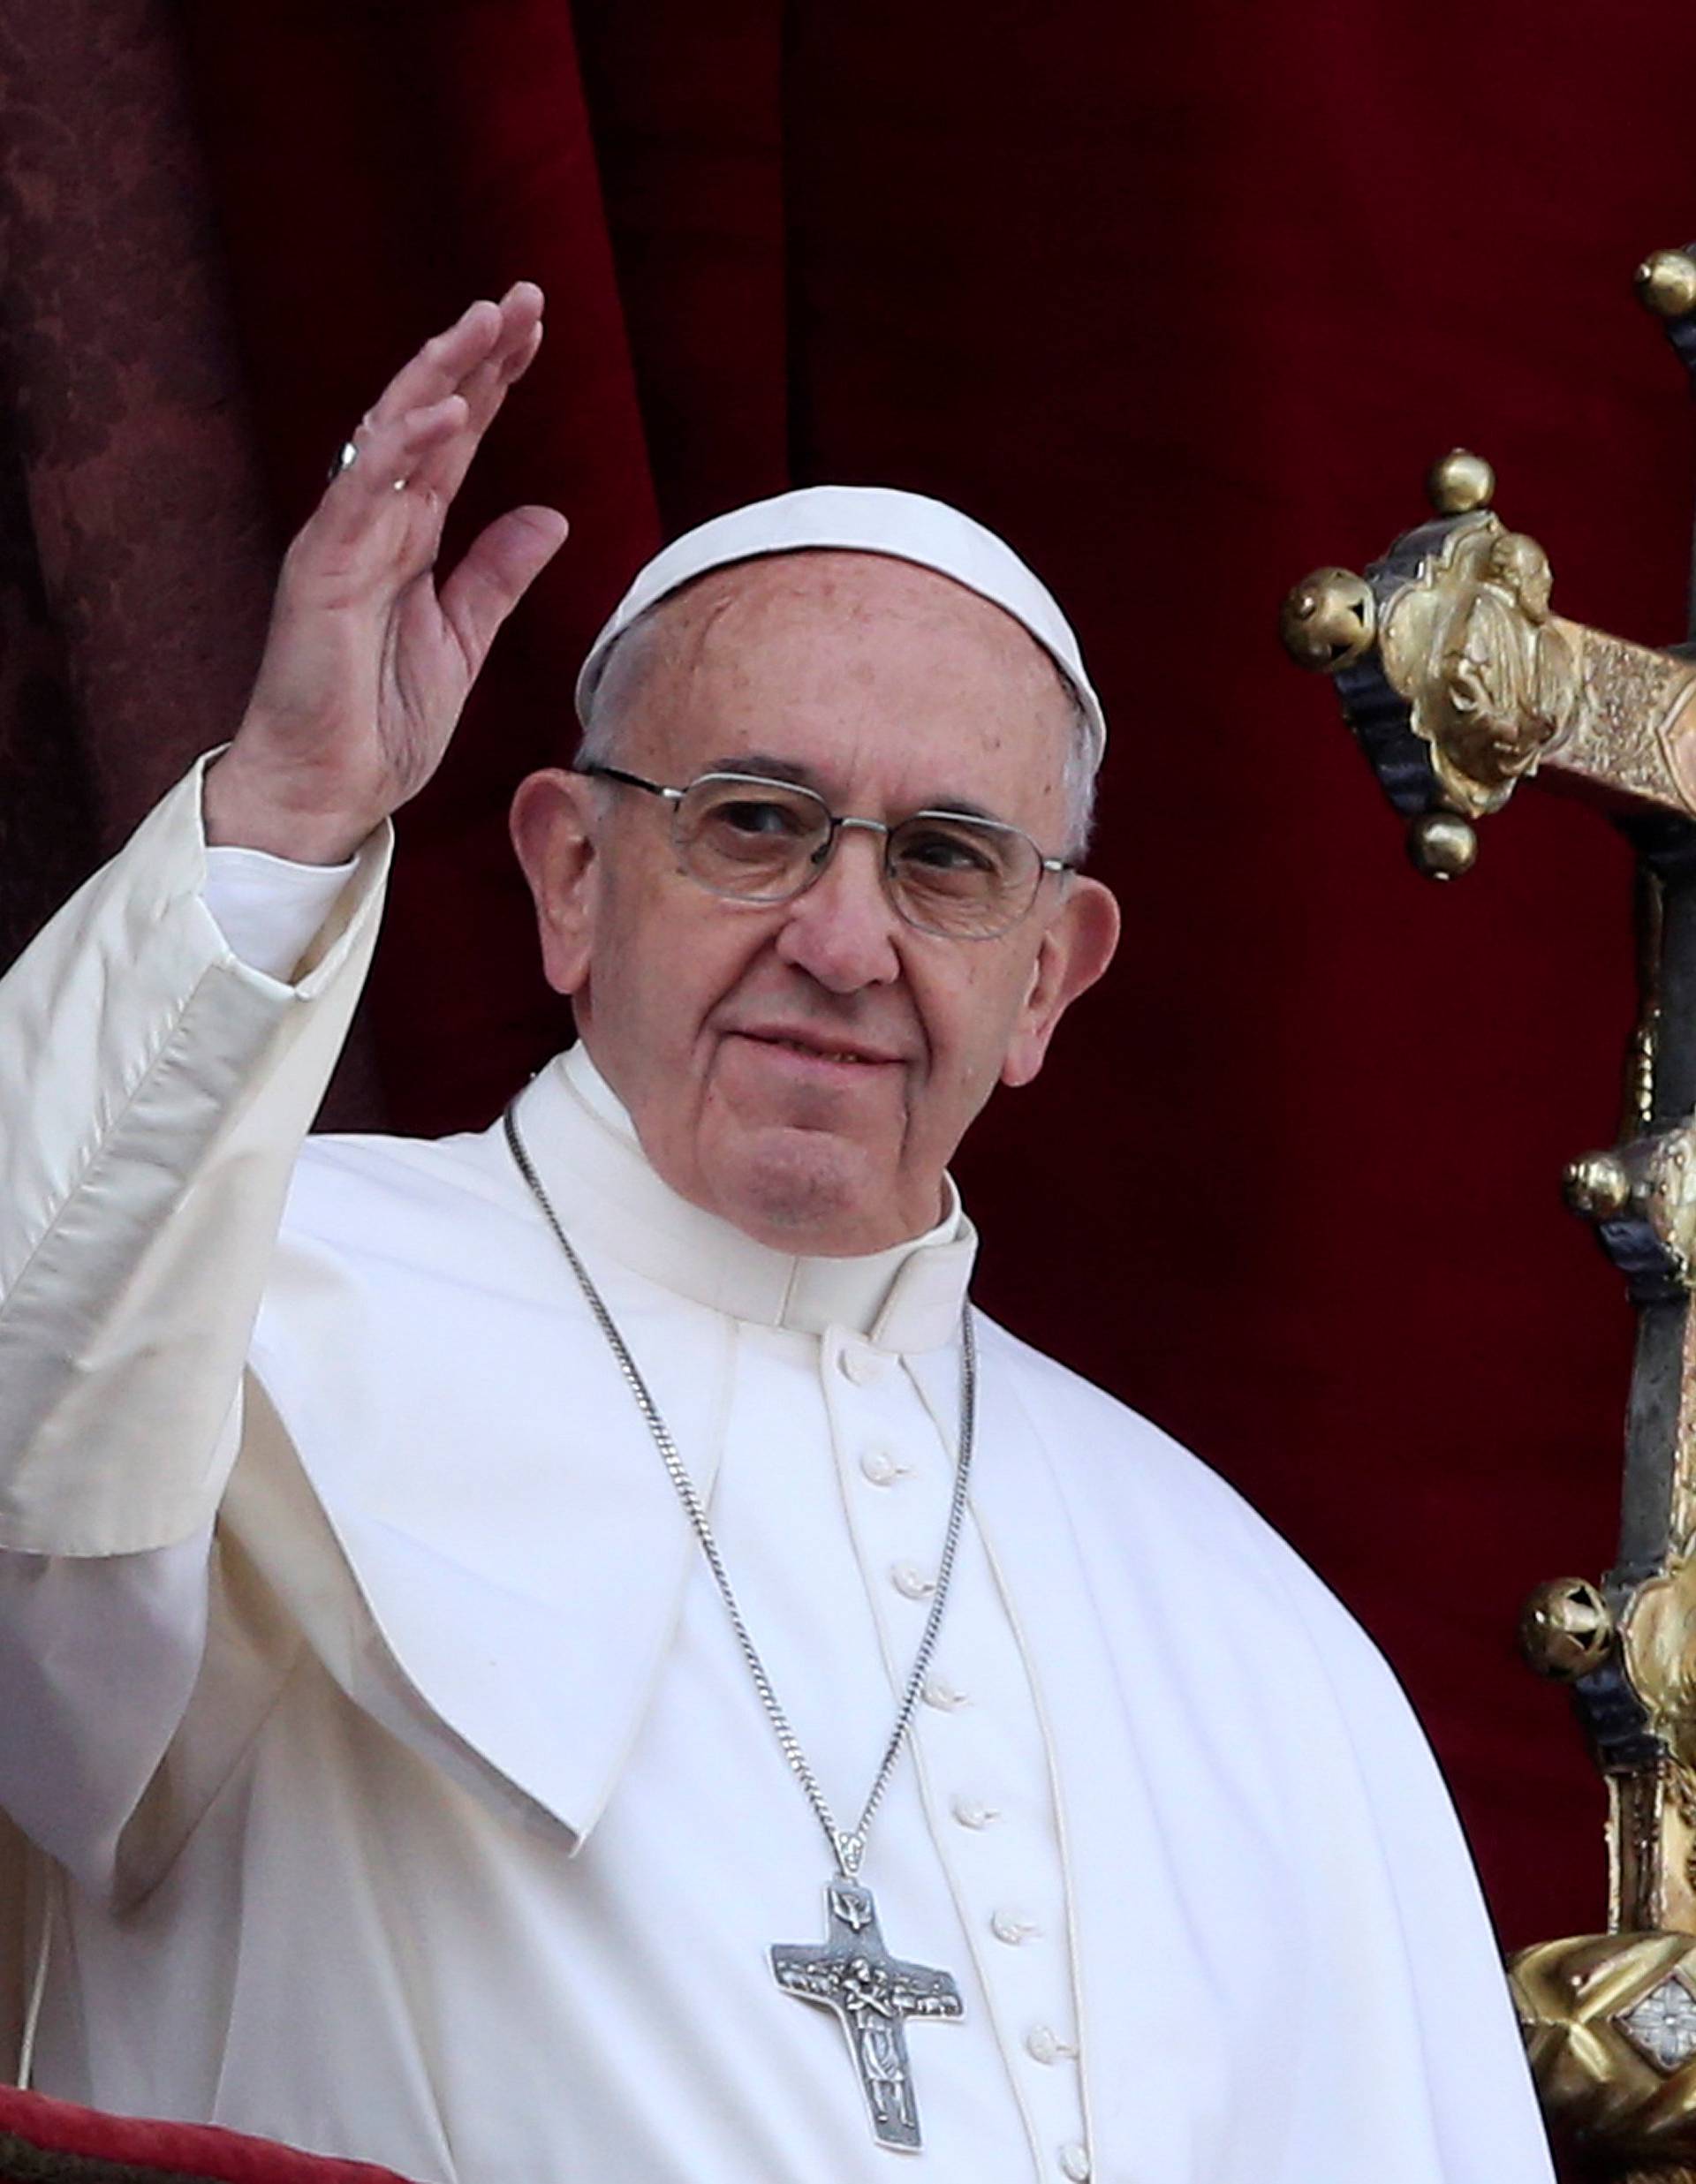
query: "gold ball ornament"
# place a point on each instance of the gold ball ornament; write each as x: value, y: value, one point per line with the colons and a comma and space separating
x: 1328, y: 620
x: 1442, y: 845
x: 1567, y: 1629
x: 1459, y: 482
x: 1597, y: 1186
x: 1666, y: 284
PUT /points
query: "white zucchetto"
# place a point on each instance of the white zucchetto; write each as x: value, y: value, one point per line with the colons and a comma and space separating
x: 867, y: 520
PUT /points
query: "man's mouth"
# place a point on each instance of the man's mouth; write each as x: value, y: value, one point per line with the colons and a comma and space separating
x: 819, y: 1047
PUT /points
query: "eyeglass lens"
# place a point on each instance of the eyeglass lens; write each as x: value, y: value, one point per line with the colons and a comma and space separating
x: 763, y: 841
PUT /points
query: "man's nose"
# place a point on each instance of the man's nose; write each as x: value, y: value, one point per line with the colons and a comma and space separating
x: 842, y: 929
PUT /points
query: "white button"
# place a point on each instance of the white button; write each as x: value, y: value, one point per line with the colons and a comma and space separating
x: 1043, y: 2044
x: 938, y: 1691
x: 1074, y: 2163
x: 881, y: 1467
x: 970, y: 1813
x: 862, y: 1365
x: 1012, y: 1928
x: 910, y: 1581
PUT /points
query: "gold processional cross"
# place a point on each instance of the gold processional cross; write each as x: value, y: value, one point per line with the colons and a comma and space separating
x: 1459, y: 682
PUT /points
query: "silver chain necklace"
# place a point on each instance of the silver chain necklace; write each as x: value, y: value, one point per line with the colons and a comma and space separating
x: 872, y: 1993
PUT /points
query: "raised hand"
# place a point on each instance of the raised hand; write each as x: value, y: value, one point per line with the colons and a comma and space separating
x: 369, y: 658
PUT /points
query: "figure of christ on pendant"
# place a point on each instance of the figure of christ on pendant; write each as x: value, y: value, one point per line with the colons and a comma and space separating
x: 874, y: 1994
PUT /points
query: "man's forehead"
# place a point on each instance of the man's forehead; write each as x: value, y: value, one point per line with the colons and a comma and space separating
x: 811, y: 666
x: 806, y: 666
x: 858, y: 526
x: 817, y: 595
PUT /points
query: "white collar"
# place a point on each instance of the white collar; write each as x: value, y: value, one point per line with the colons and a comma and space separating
x: 908, y: 1298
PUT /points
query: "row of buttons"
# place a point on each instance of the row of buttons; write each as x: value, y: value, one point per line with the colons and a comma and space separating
x: 1007, y: 1926
x: 881, y: 1467
x: 1042, y: 2044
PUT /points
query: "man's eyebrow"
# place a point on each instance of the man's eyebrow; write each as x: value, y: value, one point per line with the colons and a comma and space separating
x: 769, y: 767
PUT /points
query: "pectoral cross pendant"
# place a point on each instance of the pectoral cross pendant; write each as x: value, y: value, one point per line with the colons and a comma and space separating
x: 873, y: 1994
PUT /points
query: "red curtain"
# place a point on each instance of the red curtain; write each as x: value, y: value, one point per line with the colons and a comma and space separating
x: 1183, y: 301
x: 48, y: 2141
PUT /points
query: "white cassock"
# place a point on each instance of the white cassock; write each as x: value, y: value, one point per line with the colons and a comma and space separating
x: 446, y: 1830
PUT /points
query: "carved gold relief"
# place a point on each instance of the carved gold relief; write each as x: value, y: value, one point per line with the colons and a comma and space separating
x: 1622, y: 734
x: 1682, y: 1513
x: 1490, y: 679
x: 1658, y: 1872
x: 1610, y: 2026
x: 1496, y: 685
x: 1667, y: 1193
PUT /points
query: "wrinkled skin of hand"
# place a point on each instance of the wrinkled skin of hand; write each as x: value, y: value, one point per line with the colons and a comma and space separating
x: 372, y: 651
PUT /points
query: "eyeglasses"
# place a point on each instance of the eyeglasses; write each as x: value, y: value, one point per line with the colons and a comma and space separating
x: 949, y: 874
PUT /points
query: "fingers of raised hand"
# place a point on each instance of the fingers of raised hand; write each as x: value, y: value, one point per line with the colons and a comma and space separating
x: 483, y: 333
x: 485, y: 388
x: 483, y: 391
x: 421, y: 435
x: 363, y: 503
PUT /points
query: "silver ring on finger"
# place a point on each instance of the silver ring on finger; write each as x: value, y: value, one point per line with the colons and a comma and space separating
x: 347, y: 454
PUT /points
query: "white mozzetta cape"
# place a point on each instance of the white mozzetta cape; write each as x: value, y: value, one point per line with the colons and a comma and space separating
x: 446, y: 1831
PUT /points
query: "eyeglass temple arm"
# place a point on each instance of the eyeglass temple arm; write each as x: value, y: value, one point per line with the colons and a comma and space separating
x: 594, y: 769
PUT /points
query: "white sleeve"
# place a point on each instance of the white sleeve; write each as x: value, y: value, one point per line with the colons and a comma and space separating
x: 98, y: 1660
x: 269, y: 911
x: 154, y: 1092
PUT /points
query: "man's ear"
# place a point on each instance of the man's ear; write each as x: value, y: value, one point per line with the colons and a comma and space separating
x: 1077, y: 948
x: 552, y: 824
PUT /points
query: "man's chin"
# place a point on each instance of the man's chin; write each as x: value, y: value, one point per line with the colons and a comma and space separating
x: 804, y: 1190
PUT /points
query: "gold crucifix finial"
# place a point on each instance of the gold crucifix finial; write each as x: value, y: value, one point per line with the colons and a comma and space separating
x: 1459, y: 679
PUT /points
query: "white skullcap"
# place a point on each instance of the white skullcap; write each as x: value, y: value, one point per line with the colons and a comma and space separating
x: 865, y: 519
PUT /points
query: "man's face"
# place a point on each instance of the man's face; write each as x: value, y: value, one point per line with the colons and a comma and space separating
x: 807, y: 1068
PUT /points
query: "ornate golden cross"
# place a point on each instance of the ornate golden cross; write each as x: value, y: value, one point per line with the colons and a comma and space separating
x: 1461, y: 682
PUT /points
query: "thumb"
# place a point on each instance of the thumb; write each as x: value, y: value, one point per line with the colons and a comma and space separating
x: 499, y: 567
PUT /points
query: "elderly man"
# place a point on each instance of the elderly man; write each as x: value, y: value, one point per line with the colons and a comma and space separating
x: 580, y: 1655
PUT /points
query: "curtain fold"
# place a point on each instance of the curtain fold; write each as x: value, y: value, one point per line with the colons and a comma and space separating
x: 144, y: 500
x: 686, y: 104
x: 139, y: 547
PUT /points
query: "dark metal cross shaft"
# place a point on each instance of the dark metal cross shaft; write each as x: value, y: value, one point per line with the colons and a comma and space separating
x: 873, y: 1994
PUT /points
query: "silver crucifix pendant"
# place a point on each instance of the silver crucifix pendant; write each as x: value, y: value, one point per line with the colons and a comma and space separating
x: 874, y: 1994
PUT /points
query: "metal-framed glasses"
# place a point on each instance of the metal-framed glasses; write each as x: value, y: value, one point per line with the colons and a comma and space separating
x: 951, y: 873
